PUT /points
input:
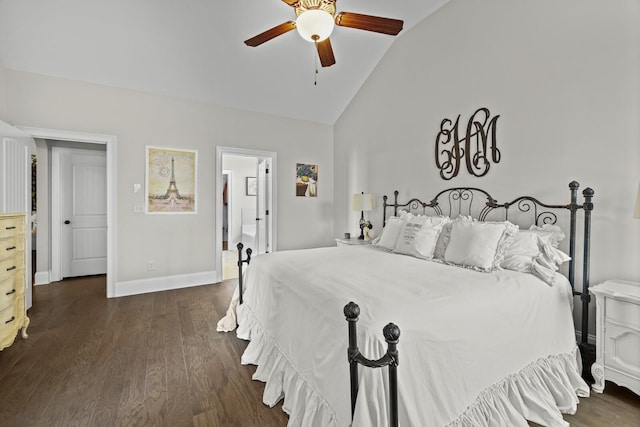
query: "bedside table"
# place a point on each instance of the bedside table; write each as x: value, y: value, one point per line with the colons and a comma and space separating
x: 617, y: 335
x: 352, y: 242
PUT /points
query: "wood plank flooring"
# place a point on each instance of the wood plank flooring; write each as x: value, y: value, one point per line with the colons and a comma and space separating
x: 156, y: 360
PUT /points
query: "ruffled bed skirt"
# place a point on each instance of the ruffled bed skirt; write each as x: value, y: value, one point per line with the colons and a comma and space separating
x: 540, y: 392
x: 304, y: 405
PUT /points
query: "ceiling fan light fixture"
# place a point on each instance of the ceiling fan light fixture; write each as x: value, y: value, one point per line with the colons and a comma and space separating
x: 315, y: 25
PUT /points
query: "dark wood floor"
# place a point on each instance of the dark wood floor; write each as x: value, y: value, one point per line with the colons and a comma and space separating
x: 156, y: 360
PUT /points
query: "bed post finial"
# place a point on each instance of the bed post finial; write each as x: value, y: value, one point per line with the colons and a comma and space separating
x: 352, y: 311
x: 391, y: 332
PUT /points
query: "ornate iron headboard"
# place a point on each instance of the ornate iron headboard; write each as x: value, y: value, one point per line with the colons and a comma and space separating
x: 481, y: 205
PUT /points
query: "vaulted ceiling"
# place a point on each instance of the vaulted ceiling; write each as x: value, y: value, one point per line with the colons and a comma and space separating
x: 194, y: 49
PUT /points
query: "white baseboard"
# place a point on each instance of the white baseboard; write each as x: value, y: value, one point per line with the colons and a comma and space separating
x: 591, y: 339
x: 165, y: 283
x: 41, y: 278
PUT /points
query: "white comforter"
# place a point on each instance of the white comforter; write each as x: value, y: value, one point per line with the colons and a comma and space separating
x: 475, y: 348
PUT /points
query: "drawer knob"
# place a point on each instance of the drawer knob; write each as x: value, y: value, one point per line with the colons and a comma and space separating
x: 11, y: 268
x: 13, y: 227
x: 10, y: 248
x: 12, y: 291
x: 11, y: 320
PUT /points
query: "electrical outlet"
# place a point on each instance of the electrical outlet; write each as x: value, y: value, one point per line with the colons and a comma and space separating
x: 138, y: 208
x: 151, y: 265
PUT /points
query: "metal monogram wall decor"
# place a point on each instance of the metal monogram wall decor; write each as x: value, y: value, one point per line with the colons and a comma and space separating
x: 476, y: 147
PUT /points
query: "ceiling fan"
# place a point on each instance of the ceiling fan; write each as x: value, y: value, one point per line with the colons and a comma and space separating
x: 315, y: 22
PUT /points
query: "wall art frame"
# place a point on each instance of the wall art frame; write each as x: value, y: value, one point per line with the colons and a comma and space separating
x: 306, y: 180
x: 251, y: 186
x: 171, y: 183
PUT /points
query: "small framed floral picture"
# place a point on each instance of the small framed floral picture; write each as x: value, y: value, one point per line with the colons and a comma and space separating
x: 306, y: 180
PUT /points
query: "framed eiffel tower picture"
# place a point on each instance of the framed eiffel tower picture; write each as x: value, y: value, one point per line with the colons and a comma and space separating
x: 171, y: 181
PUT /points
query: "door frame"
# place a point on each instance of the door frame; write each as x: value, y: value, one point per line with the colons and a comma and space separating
x: 110, y: 141
x: 220, y: 152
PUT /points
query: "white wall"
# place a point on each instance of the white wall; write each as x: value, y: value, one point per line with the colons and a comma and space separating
x: 180, y: 244
x: 242, y: 167
x: 3, y: 91
x: 564, y: 76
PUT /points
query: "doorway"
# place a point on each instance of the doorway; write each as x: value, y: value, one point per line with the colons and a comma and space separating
x: 249, y: 201
x: 109, y: 143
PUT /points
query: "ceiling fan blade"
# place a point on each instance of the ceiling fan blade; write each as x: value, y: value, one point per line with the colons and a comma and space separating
x: 274, y: 32
x: 369, y: 23
x: 325, y: 52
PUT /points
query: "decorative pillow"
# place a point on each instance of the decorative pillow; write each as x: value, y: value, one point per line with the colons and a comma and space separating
x: 522, y: 252
x: 418, y: 235
x: 479, y: 245
x: 443, y: 239
x: 552, y: 232
x: 390, y: 232
x: 532, y: 251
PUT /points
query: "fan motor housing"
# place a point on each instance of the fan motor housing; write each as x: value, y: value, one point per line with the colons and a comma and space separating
x: 328, y: 6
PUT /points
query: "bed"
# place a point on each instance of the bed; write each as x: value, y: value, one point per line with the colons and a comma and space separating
x: 479, y: 346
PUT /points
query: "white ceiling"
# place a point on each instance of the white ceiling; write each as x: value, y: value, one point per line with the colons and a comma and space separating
x: 194, y: 49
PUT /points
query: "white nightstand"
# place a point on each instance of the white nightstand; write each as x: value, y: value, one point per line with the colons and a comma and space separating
x: 617, y: 335
x: 352, y: 242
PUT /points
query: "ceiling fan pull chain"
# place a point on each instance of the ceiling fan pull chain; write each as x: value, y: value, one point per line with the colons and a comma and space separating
x: 315, y: 62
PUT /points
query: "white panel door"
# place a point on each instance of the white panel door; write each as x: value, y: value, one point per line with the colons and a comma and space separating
x: 262, y: 213
x: 83, y: 212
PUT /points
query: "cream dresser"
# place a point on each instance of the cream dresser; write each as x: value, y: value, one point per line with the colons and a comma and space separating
x: 13, y: 314
x: 617, y: 335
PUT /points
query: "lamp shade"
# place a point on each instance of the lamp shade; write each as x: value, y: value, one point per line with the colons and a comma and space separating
x: 363, y: 202
x: 315, y: 25
x: 636, y: 211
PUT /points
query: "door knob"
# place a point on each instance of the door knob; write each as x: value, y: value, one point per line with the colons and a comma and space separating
x: 67, y: 222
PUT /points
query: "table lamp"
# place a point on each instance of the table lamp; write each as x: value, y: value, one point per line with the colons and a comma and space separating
x: 363, y: 203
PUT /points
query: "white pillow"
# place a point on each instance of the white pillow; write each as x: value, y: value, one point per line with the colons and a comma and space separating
x: 390, y: 232
x: 418, y: 235
x: 552, y: 232
x: 479, y: 245
x: 522, y: 252
x: 443, y: 239
x: 532, y: 251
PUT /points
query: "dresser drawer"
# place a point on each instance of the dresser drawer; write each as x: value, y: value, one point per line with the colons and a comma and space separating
x: 623, y: 312
x: 11, y: 266
x: 10, y: 290
x: 11, y: 226
x: 11, y: 319
x: 10, y: 246
x: 621, y: 349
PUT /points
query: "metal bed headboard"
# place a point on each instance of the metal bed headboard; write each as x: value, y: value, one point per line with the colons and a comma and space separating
x: 478, y: 203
